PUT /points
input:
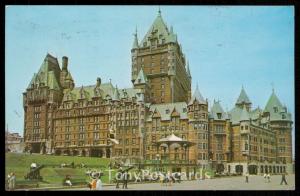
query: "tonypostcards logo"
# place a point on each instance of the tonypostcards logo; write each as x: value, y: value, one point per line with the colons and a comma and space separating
x: 147, y: 175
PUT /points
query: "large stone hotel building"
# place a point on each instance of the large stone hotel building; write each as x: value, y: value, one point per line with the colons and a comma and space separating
x: 158, y: 122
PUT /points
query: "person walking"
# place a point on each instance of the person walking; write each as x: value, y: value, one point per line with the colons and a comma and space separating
x: 99, y: 183
x: 12, y: 182
x: 283, y: 179
x: 125, y: 180
x: 268, y: 177
x: 247, y: 177
x: 265, y: 177
x: 119, y: 177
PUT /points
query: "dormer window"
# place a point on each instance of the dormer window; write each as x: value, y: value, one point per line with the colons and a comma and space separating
x: 163, y: 41
x: 184, y: 110
x: 139, y: 80
x: 275, y: 109
x: 283, y: 116
x: 145, y: 44
x: 167, y: 111
x: 219, y: 115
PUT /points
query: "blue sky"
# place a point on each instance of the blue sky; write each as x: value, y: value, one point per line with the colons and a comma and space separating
x: 226, y: 47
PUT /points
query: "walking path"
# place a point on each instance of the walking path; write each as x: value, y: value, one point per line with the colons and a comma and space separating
x: 230, y: 183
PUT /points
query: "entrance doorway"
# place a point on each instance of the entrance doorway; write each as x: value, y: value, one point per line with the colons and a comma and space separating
x: 252, y: 169
x: 239, y: 169
x: 220, y: 168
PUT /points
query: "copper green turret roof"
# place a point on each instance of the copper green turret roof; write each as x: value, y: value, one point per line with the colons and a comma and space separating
x: 197, y: 96
x: 48, y: 74
x: 160, y: 30
x: 276, y: 109
x: 141, y: 78
x: 243, y: 98
x: 135, y: 41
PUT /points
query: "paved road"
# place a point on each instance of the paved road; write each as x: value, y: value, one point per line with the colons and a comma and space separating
x: 229, y: 183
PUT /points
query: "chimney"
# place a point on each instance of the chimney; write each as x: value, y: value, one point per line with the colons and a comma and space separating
x: 65, y: 63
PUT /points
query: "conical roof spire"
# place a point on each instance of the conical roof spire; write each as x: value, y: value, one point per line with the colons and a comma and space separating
x: 197, y: 96
x: 116, y: 96
x: 273, y: 102
x: 243, y: 98
x: 141, y: 78
x: 188, y: 70
x: 135, y: 41
x: 159, y: 12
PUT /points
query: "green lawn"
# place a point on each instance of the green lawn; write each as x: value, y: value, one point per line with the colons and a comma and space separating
x: 52, y: 174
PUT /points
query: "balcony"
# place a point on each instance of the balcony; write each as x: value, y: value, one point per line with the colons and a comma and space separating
x: 220, y: 132
x: 243, y: 132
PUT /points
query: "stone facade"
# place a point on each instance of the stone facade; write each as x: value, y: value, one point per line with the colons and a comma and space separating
x: 157, y: 121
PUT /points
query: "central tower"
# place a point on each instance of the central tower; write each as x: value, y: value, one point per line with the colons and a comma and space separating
x: 160, y: 57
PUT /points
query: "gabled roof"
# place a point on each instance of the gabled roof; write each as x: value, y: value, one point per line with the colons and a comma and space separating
x: 141, y: 78
x: 160, y: 30
x: 165, y: 110
x: 215, y: 109
x: 197, y: 96
x: 243, y: 98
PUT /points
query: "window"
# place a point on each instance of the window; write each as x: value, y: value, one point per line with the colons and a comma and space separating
x: 219, y: 115
x: 275, y: 109
x: 167, y: 111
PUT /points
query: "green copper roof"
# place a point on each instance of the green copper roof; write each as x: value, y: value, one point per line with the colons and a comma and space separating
x: 215, y: 109
x: 48, y: 74
x: 141, y: 78
x: 165, y: 110
x: 135, y: 42
x: 254, y: 114
x: 115, y: 96
x: 273, y: 102
x: 52, y: 82
x: 197, y: 96
x: 276, y: 109
x: 243, y: 98
x: 106, y: 91
x: 244, y: 114
x: 159, y: 30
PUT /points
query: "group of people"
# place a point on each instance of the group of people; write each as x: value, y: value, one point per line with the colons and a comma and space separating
x: 96, y: 183
x: 11, y: 181
x: 267, y: 178
x: 169, y: 178
x: 122, y: 177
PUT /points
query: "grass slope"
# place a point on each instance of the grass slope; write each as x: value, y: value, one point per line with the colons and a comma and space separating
x: 52, y: 174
